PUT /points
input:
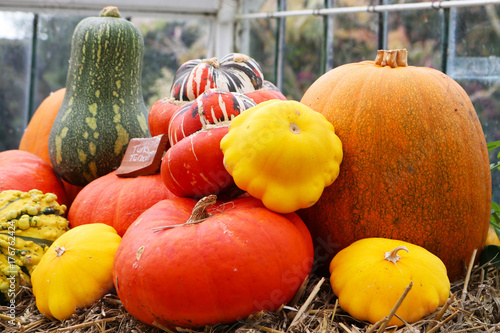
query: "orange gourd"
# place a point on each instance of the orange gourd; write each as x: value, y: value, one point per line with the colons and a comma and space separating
x: 23, y: 171
x: 117, y: 201
x: 190, y: 264
x: 36, y: 136
x: 415, y: 164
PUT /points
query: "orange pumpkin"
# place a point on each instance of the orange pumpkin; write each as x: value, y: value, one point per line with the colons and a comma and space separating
x: 160, y: 114
x: 23, y: 171
x: 36, y: 136
x: 117, y: 201
x: 415, y: 162
x: 230, y: 260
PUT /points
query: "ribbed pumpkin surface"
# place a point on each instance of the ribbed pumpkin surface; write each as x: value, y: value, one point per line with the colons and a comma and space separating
x: 415, y: 162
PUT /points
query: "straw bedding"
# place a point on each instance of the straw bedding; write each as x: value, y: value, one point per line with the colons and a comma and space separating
x: 474, y: 306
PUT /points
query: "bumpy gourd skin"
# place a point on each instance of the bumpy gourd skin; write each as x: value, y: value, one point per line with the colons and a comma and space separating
x: 283, y: 153
x: 29, y: 223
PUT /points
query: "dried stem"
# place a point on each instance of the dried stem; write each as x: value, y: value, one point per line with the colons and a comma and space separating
x: 393, y: 256
x: 440, y: 324
x: 306, y: 304
x: 199, y: 213
x: 299, y: 292
x: 466, y: 282
x: 382, y: 324
x: 163, y: 328
x: 392, y: 58
x: 87, y: 324
x: 441, y: 313
x: 214, y: 62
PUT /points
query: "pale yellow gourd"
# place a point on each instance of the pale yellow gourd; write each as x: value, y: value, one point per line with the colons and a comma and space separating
x: 76, y: 270
x: 371, y: 274
x: 283, y: 153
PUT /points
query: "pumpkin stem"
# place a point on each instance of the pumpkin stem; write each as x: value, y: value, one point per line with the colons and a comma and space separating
x: 110, y: 11
x: 60, y: 250
x: 199, y: 213
x: 239, y: 57
x: 392, y: 58
x: 214, y: 62
x: 393, y: 256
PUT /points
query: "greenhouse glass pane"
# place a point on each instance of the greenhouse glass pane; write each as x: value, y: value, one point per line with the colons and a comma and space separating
x: 420, y: 32
x: 474, y: 61
x: 53, y: 52
x: 167, y: 45
x: 355, y: 38
x: 15, y: 60
x: 303, y: 54
x: 258, y: 37
x: 263, y: 46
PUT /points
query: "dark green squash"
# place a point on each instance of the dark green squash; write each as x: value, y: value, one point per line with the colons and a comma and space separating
x: 103, y: 107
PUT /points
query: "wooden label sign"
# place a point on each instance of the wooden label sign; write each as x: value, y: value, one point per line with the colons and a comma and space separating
x: 143, y: 156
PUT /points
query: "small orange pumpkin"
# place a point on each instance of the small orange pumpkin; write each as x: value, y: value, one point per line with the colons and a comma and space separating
x: 24, y: 171
x: 36, y: 136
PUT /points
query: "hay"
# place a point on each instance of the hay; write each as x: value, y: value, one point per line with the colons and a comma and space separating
x: 473, y: 307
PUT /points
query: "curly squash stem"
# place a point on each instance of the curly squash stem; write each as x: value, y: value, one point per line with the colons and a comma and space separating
x: 199, y: 213
x: 200, y: 209
x: 393, y: 256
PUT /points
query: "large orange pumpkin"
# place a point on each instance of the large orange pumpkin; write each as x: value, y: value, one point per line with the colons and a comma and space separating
x: 231, y: 260
x: 415, y: 162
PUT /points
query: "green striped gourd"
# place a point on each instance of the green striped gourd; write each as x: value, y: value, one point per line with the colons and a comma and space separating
x: 103, y: 107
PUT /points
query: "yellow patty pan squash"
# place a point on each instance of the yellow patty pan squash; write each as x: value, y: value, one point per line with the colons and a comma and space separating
x: 371, y: 274
x: 76, y: 270
x: 283, y: 153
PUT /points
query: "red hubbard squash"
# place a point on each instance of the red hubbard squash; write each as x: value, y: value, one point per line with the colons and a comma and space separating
x: 116, y: 201
x: 212, y: 107
x: 194, y: 166
x: 415, y: 162
x: 23, y: 171
x: 35, y: 138
x: 228, y: 262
